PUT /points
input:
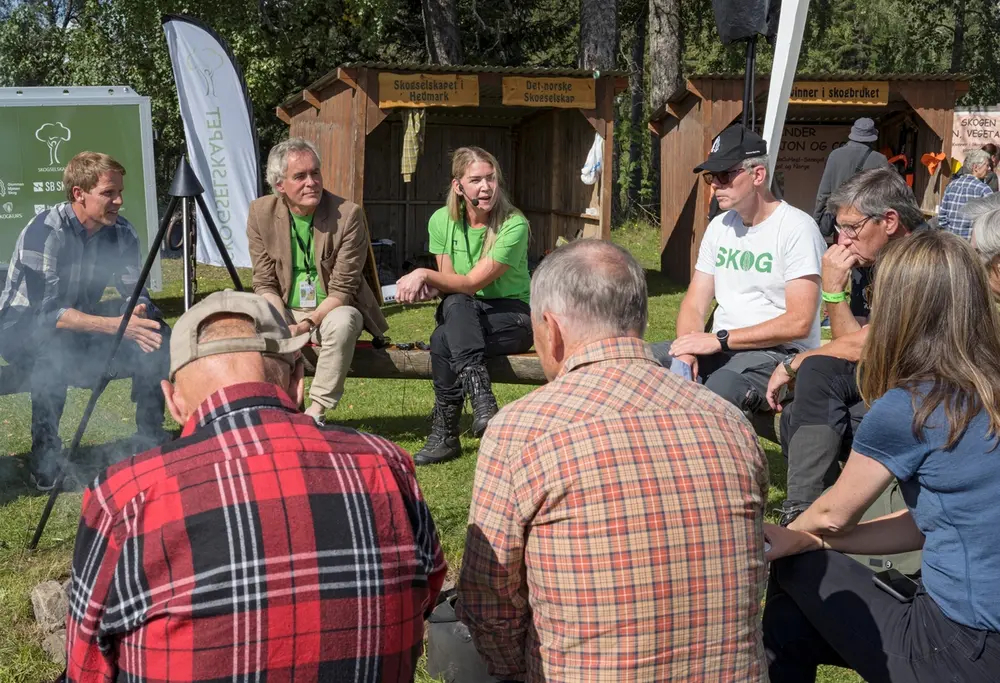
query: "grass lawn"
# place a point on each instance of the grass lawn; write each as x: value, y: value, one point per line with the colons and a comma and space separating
x: 395, y: 409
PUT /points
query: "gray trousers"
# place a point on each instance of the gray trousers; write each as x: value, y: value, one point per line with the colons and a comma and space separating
x: 740, y: 377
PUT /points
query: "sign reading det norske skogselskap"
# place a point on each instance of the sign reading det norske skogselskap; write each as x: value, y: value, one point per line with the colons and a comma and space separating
x: 43, y: 128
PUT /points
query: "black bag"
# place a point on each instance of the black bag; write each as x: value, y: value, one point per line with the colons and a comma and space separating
x: 828, y: 220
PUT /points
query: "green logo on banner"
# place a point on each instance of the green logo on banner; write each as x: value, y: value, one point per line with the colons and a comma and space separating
x: 738, y: 259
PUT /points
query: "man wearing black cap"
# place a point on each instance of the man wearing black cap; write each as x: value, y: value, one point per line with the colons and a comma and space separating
x: 760, y: 260
x: 855, y: 156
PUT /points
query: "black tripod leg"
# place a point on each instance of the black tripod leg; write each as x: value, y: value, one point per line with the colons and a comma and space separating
x: 219, y: 243
x: 106, y: 375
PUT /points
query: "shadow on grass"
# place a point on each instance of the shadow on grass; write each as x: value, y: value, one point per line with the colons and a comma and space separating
x: 658, y: 284
x: 88, y: 462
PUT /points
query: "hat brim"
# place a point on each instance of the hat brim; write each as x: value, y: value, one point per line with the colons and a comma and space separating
x: 718, y: 165
x: 862, y: 138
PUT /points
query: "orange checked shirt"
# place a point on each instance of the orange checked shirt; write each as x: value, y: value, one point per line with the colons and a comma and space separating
x: 616, y: 529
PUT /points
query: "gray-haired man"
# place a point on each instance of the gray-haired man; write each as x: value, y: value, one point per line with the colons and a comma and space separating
x: 600, y: 499
x: 309, y: 248
x: 951, y: 214
x: 873, y: 208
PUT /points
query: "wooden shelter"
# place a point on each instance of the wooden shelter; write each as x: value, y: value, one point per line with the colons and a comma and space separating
x: 913, y: 112
x: 539, y: 123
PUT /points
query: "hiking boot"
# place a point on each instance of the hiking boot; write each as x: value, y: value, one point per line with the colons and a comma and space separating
x: 790, y: 510
x: 476, y: 385
x: 442, y: 444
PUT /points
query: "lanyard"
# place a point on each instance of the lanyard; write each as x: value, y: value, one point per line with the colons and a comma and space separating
x: 306, y: 249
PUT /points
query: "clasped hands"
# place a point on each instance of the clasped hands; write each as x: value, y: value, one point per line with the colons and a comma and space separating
x: 413, y: 288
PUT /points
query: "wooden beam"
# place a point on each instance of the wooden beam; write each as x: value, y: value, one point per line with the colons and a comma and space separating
x: 606, y: 95
x: 283, y: 114
x: 621, y: 84
x: 312, y: 98
x: 394, y: 363
x: 347, y: 77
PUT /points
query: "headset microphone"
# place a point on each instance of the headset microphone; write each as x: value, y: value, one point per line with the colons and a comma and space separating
x: 475, y: 202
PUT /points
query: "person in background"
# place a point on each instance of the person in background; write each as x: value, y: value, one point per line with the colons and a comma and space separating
x: 855, y: 156
x: 985, y: 215
x: 960, y: 190
x: 760, y: 260
x: 930, y: 368
x: 991, y: 177
x: 480, y: 241
x: 615, y: 532
x: 873, y: 209
x: 309, y: 248
x: 53, y: 320
x: 258, y: 545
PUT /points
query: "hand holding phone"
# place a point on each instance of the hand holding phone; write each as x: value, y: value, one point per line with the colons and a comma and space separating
x: 896, y: 584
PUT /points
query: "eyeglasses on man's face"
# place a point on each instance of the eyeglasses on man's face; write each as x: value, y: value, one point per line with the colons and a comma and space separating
x: 723, y: 177
x: 852, y: 230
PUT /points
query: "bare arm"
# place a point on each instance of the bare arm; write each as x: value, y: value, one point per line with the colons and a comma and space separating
x: 694, y: 307
x: 839, y: 509
x: 801, y: 306
x: 847, y: 347
x: 77, y: 321
x: 483, y: 274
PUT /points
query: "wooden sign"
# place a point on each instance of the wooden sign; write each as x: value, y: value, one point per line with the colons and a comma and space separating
x: 427, y: 90
x: 854, y: 93
x: 529, y: 91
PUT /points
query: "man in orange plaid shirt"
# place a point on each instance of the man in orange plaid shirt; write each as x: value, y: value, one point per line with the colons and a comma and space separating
x: 615, y: 532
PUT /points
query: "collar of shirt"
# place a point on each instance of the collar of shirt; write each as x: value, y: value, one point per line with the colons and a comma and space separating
x: 608, y: 350
x: 234, y: 398
x: 70, y: 218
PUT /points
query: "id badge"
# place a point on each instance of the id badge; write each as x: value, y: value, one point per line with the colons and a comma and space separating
x: 307, y: 295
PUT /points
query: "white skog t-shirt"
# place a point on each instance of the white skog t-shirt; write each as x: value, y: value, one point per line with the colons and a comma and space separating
x: 752, y: 265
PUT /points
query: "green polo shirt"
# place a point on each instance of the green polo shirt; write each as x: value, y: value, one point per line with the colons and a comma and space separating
x: 464, y: 246
x: 304, y: 268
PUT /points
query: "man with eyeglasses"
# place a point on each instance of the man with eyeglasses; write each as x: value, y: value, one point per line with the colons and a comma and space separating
x: 760, y: 260
x: 872, y: 208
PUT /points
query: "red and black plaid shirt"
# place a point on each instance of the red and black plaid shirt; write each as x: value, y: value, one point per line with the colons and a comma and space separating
x: 255, y: 547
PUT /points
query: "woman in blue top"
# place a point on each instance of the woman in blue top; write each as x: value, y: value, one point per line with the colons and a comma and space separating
x: 481, y: 244
x: 930, y: 370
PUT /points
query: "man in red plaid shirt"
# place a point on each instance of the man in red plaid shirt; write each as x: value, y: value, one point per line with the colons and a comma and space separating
x: 257, y: 546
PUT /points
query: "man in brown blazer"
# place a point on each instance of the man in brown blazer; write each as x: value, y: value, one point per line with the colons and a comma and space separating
x: 309, y: 248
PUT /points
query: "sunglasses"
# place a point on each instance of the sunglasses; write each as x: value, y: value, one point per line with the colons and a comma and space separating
x: 724, y: 177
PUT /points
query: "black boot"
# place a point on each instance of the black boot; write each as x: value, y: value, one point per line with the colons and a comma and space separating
x: 443, y: 444
x: 476, y: 384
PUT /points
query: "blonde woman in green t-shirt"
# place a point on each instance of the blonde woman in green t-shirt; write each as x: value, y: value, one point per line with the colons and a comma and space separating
x: 481, y: 244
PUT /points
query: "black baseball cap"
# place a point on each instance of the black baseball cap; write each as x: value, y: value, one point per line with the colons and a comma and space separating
x: 733, y: 145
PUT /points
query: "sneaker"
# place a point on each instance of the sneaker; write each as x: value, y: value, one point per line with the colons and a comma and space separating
x: 43, y: 482
x: 825, y: 324
x: 790, y: 511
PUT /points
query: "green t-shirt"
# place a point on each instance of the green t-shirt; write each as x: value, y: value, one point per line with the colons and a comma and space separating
x: 511, y: 249
x: 303, y: 268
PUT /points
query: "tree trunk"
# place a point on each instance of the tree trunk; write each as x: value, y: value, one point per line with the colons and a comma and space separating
x: 444, y: 45
x: 637, y: 128
x: 664, y: 51
x: 959, y: 40
x: 598, y: 34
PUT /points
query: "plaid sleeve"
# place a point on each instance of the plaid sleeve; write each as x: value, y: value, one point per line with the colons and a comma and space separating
x: 129, y: 268
x: 493, y: 593
x: 38, y: 257
x: 89, y: 657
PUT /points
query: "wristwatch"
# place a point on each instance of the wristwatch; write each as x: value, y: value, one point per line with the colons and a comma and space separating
x: 787, y: 362
x: 723, y: 337
x: 312, y: 323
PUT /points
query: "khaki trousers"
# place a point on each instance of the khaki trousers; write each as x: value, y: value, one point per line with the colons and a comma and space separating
x: 336, y: 337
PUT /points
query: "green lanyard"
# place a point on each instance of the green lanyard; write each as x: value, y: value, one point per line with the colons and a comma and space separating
x: 306, y: 249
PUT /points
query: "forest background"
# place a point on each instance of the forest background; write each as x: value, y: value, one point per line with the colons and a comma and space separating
x: 283, y: 45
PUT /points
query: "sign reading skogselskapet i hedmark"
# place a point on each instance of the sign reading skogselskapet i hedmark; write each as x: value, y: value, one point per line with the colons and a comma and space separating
x: 427, y: 90
x: 43, y: 128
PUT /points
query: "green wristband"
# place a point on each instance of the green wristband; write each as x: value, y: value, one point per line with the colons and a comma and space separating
x: 834, y: 297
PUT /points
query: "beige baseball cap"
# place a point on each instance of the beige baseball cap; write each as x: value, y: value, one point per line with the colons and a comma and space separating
x: 273, y: 336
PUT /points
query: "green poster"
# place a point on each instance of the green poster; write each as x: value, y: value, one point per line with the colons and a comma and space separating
x: 41, y: 137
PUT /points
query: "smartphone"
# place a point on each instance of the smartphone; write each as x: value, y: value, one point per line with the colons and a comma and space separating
x: 896, y: 584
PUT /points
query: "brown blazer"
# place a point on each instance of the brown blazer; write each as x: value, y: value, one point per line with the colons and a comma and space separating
x: 341, y: 245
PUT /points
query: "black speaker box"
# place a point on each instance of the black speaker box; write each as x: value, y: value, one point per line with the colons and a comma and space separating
x: 743, y: 19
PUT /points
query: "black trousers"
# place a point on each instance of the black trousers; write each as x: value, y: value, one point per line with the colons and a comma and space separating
x: 817, y: 428
x: 468, y: 331
x: 58, y: 355
x: 822, y: 608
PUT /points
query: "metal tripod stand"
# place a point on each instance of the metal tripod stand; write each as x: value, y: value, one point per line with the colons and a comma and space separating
x: 185, y: 187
